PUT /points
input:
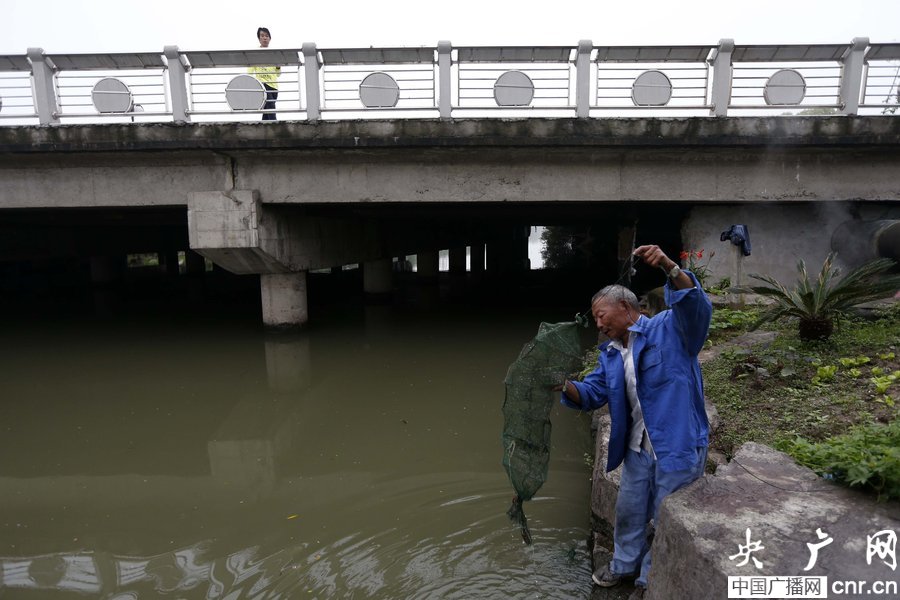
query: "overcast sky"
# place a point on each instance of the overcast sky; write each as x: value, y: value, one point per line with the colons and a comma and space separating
x: 60, y: 26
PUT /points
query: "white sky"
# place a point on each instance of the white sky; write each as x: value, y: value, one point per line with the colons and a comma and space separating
x: 60, y: 26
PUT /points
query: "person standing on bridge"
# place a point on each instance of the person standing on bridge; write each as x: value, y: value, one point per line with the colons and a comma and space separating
x: 649, y: 375
x: 267, y: 75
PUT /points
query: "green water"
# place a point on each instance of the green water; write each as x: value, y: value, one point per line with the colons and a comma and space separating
x: 191, y: 456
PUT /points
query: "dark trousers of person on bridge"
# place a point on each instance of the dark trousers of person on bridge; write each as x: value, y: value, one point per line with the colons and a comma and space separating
x: 271, y: 97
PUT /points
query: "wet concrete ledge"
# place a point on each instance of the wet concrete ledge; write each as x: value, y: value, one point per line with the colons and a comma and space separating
x: 502, y: 132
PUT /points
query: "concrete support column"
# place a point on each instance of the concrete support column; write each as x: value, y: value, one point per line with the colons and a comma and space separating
x: 168, y: 263
x: 106, y: 269
x: 284, y: 302
x: 508, y: 253
x: 476, y: 259
x: 377, y: 277
x: 428, y: 264
x: 194, y: 264
x: 458, y: 260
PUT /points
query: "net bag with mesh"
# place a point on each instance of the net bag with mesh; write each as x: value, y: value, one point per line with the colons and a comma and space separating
x: 542, y: 364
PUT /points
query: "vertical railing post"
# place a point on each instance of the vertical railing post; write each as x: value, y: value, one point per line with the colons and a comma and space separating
x: 852, y: 74
x: 311, y: 70
x: 177, y: 86
x: 721, y: 78
x: 583, y: 78
x: 42, y: 72
x: 445, y: 63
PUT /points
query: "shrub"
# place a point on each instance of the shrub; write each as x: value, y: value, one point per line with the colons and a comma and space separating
x: 817, y: 304
x: 867, y: 456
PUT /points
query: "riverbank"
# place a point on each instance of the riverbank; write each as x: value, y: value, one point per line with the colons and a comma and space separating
x: 769, y: 387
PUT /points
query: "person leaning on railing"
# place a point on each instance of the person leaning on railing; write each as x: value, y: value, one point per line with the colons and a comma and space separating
x: 266, y: 75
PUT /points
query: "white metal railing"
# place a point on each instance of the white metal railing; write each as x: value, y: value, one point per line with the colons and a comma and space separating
x: 582, y: 80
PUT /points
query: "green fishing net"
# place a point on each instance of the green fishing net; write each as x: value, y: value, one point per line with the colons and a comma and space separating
x: 543, y: 363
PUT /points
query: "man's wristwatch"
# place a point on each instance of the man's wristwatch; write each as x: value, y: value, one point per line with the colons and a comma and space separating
x: 674, y: 273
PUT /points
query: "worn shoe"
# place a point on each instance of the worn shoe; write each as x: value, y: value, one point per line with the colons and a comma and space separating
x: 638, y: 593
x: 606, y: 578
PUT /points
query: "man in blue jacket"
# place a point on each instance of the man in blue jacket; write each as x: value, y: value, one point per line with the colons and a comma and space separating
x: 649, y: 375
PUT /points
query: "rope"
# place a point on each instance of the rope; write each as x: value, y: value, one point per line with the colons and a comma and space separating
x: 778, y: 487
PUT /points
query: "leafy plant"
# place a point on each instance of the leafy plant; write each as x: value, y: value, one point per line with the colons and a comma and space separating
x: 818, y: 303
x: 825, y: 373
x: 868, y: 456
x: 855, y: 362
x: 883, y: 382
x: 730, y: 318
x: 690, y: 260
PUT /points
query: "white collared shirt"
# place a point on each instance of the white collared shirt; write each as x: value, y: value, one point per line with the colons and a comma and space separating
x: 636, y: 435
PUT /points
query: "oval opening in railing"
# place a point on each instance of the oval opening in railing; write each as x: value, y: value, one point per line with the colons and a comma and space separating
x: 111, y: 96
x: 784, y: 87
x: 245, y: 92
x: 513, y: 88
x: 379, y: 90
x: 651, y: 88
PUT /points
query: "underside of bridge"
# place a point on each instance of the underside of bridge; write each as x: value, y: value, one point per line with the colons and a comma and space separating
x: 288, y: 207
x: 50, y: 254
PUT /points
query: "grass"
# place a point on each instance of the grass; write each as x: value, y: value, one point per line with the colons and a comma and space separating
x: 833, y: 404
x: 815, y: 390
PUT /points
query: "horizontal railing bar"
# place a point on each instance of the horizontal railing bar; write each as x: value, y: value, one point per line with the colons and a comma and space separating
x: 644, y: 68
x: 686, y: 107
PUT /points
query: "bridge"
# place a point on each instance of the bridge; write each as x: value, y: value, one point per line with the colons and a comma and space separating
x: 378, y: 154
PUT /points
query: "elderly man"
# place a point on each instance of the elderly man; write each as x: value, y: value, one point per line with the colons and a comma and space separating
x: 649, y: 375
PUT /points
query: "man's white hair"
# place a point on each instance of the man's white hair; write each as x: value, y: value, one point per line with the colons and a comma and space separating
x: 615, y: 293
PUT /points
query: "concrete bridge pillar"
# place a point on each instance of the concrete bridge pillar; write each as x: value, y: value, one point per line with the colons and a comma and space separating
x: 507, y: 253
x: 476, y: 259
x: 194, y: 264
x: 168, y: 263
x: 106, y: 269
x: 428, y: 265
x: 457, y: 260
x: 377, y: 277
x: 284, y: 302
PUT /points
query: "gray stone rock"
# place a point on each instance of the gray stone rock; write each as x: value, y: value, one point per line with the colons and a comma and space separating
x: 746, y: 340
x: 783, y: 505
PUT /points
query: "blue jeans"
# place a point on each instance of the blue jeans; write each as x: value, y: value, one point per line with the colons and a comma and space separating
x: 641, y: 490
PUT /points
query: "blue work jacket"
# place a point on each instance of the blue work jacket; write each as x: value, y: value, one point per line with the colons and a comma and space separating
x: 669, y: 384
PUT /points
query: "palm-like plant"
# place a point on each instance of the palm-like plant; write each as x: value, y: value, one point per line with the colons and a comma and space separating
x: 817, y: 304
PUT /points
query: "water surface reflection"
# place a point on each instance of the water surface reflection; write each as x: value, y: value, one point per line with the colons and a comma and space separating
x: 202, y: 458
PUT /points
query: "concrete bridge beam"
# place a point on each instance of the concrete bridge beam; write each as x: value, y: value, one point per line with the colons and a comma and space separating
x: 238, y: 233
